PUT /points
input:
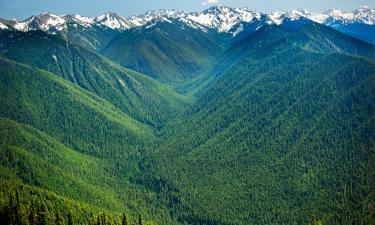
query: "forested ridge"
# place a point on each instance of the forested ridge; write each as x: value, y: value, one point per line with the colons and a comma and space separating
x: 274, y: 127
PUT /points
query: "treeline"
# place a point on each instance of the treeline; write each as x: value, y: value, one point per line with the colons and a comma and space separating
x: 18, y: 211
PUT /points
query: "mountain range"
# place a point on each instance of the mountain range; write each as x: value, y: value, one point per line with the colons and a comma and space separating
x: 225, y: 116
x: 359, y: 23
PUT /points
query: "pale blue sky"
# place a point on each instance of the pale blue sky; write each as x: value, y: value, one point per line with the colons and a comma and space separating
x: 22, y: 9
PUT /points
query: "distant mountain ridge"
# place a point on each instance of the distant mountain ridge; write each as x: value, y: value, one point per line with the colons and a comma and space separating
x: 220, y: 18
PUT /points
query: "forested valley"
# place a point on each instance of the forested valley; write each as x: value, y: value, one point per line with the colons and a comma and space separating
x: 169, y: 124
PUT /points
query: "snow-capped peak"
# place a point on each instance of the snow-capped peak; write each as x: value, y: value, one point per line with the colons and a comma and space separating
x: 3, y: 26
x: 330, y: 17
x: 44, y: 21
x: 82, y: 20
x: 220, y: 18
x: 173, y: 13
x: 140, y: 20
x: 363, y: 14
x: 301, y: 12
x: 334, y: 12
x: 156, y: 20
x: 280, y: 17
x: 275, y: 18
x: 112, y: 20
x: 216, y: 10
x: 364, y: 10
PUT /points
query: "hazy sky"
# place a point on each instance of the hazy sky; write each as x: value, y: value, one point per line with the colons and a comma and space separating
x: 22, y: 9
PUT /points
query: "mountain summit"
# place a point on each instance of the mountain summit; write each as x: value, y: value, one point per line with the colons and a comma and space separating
x: 221, y: 18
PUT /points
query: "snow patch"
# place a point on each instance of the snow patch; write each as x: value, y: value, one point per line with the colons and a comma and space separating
x: 22, y: 26
x: 121, y: 82
x: 220, y: 18
x: 3, y: 26
x: 84, y: 19
x: 113, y: 21
x: 239, y: 30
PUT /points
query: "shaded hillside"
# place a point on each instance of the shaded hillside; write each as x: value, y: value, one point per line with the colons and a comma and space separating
x: 135, y: 94
x: 282, y: 127
x: 169, y: 52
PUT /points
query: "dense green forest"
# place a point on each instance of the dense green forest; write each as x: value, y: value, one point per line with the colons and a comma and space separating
x: 142, y: 98
x: 69, y: 152
x: 275, y: 127
x: 17, y: 209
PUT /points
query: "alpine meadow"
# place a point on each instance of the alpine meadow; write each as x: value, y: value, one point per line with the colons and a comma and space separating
x: 225, y: 116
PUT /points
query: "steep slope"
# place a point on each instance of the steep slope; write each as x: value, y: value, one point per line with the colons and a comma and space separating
x: 283, y: 135
x: 361, y: 31
x: 58, y: 138
x: 323, y: 39
x: 252, y: 42
x: 359, y: 24
x: 166, y: 49
x: 140, y: 97
x: 33, y: 158
x: 93, y: 37
x: 310, y: 36
x: 239, y: 48
x: 42, y: 169
x: 94, y: 33
x: 75, y: 117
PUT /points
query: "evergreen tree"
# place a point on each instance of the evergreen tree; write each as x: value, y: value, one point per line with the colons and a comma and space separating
x: 59, y: 219
x: 42, y: 215
x: 14, y: 212
x: 314, y: 221
x: 17, y: 210
x: 124, y: 220
x: 32, y: 214
x: 10, y: 214
x: 140, y: 220
x: 70, y: 220
x: 103, y: 219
